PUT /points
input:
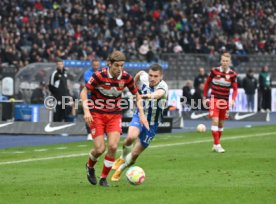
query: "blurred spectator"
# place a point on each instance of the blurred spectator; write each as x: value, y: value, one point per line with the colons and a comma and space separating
x: 249, y: 84
x: 198, y: 98
x: 265, y: 89
x: 39, y: 94
x: 68, y: 28
x: 200, y: 78
x: 187, y: 94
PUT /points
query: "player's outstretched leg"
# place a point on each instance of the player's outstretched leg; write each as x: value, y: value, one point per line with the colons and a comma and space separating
x: 121, y: 159
x: 133, y: 133
x: 117, y: 175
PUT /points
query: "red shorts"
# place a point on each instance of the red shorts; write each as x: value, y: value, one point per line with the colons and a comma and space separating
x: 219, y: 108
x: 105, y: 123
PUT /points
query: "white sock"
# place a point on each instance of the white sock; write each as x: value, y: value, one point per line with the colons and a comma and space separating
x: 128, y: 161
x: 126, y: 151
x: 214, y: 128
x: 92, y: 157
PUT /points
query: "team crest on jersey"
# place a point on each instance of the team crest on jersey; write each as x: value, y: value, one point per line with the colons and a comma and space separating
x: 121, y: 84
x: 93, y: 131
x: 227, y: 77
x: 90, y: 80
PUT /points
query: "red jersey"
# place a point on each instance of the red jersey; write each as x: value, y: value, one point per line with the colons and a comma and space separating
x: 221, y: 82
x: 106, y: 91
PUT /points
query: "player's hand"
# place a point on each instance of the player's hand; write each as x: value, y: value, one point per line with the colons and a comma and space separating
x: 146, y: 96
x: 144, y: 121
x: 206, y: 102
x: 88, y: 118
x: 231, y: 103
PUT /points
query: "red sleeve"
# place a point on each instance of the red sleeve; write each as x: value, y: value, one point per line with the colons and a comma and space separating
x: 92, y: 82
x: 235, y: 88
x: 131, y: 86
x: 207, y: 84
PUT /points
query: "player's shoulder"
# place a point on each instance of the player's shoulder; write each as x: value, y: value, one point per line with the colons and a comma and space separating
x: 126, y: 76
x: 141, y: 73
x: 101, y: 73
x: 88, y: 73
x: 125, y: 73
x: 163, y: 85
x: 232, y: 72
x: 215, y: 69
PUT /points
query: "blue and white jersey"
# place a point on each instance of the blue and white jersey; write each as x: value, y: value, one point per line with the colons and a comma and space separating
x: 153, y: 108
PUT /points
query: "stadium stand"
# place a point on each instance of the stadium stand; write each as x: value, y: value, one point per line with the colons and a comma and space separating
x: 40, y: 31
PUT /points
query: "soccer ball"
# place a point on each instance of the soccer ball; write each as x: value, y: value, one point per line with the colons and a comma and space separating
x: 135, y: 175
x: 201, y: 128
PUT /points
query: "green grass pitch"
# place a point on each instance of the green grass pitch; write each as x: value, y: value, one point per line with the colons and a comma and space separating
x: 180, y: 168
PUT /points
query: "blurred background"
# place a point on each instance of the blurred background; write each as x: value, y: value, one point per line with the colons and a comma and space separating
x: 186, y: 36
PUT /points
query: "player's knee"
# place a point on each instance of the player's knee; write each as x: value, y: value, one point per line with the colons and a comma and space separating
x: 112, y: 148
x: 129, y: 140
x: 100, y: 149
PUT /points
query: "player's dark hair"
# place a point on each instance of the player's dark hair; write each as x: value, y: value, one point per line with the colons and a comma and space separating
x: 156, y: 67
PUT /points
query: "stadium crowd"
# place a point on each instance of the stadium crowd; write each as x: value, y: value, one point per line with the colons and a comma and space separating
x: 41, y: 30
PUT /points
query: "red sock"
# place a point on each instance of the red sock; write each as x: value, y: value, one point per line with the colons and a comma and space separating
x: 220, y: 130
x: 91, y: 163
x: 216, y: 137
x: 215, y: 134
x: 91, y: 160
x: 108, y: 163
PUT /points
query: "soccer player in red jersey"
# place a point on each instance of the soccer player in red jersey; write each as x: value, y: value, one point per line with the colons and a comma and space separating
x: 220, y: 80
x: 103, y: 112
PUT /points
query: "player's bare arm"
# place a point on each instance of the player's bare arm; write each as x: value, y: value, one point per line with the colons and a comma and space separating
x: 234, y: 95
x: 137, y: 77
x: 155, y: 95
x: 139, y: 103
x: 87, y: 115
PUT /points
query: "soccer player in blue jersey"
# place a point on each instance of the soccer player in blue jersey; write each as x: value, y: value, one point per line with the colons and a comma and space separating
x: 88, y: 73
x: 86, y: 76
x: 154, y: 91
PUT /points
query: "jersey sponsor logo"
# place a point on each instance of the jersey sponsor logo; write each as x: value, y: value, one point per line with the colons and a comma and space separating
x: 221, y: 82
x: 113, y: 92
x: 48, y: 128
x: 5, y: 124
x: 240, y: 117
x: 227, y: 77
x: 200, y: 115
x: 90, y: 80
x: 121, y: 84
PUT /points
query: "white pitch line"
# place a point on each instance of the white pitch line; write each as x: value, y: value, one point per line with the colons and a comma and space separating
x: 61, y: 148
x: 82, y: 146
x: 18, y: 152
x: 40, y: 150
x: 153, y: 146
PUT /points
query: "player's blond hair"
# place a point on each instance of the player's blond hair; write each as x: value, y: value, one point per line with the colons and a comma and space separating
x: 116, y: 56
x: 226, y: 54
